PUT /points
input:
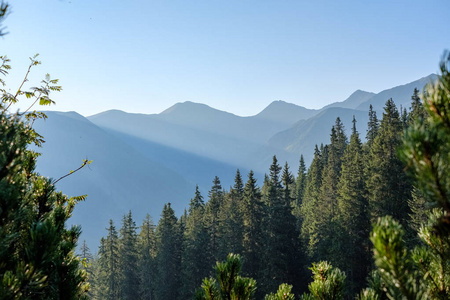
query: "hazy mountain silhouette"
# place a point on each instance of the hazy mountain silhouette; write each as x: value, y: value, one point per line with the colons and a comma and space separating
x: 120, y: 178
x: 143, y: 161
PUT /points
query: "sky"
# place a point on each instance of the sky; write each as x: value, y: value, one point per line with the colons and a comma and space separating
x: 144, y: 56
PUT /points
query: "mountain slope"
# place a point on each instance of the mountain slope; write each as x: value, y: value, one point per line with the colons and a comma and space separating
x: 400, y: 94
x: 285, y: 113
x: 303, y: 136
x: 353, y: 101
x: 119, y: 179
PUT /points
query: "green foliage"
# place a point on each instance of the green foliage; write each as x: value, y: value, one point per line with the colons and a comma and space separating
x: 283, y: 293
x: 194, y: 268
x: 146, y: 254
x: 128, y: 262
x: 168, y: 257
x: 426, y: 147
x: 389, y: 189
x: 375, y: 289
x: 228, y: 285
x: 36, y: 249
x: 352, y: 218
x: 213, y: 222
x: 391, y: 257
x: 328, y: 283
x: 252, y: 216
x: 280, y: 232
x: 424, y: 272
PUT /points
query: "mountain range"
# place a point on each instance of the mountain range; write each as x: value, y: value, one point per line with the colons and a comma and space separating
x: 141, y: 161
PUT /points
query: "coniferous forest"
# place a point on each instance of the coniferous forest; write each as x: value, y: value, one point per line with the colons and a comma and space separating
x: 366, y: 220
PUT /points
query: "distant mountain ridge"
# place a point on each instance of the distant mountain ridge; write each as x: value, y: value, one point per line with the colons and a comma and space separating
x: 284, y: 112
x: 142, y: 161
x: 355, y: 99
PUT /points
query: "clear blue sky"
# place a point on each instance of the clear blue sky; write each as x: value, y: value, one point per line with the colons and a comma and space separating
x: 234, y: 55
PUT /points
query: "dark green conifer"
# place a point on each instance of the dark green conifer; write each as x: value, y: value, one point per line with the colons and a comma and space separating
x: 252, y: 216
x: 168, y: 257
x: 309, y: 204
x: 128, y: 259
x: 196, y: 241
x: 281, y: 248
x: 388, y: 187
x: 111, y: 255
x: 372, y: 127
x: 301, y: 181
x: 212, y: 222
x: 324, y: 234
x: 146, y: 241
x: 230, y: 216
x: 353, y: 216
x: 417, y: 110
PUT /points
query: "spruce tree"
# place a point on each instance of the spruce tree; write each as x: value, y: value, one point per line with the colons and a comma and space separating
x: 194, y: 268
x: 168, y: 257
x: 353, y: 216
x: 146, y: 241
x: 372, y: 127
x: 252, y: 215
x: 417, y: 110
x: 281, y: 251
x: 87, y: 260
x: 98, y: 281
x: 112, y: 263
x: 388, y: 187
x: 309, y: 204
x: 423, y: 273
x: 230, y: 216
x: 128, y: 259
x: 212, y: 222
x: 301, y: 182
x: 325, y: 231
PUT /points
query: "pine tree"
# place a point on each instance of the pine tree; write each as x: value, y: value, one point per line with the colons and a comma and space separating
x: 98, y: 281
x: 423, y: 273
x: 309, y: 204
x: 252, y: 211
x: 325, y: 232
x: 128, y: 259
x: 301, y: 182
x: 288, y: 181
x: 281, y: 251
x: 328, y: 283
x: 372, y: 127
x: 146, y: 263
x: 388, y: 186
x: 86, y: 257
x: 353, y: 215
x: 37, y: 258
x: 168, y: 257
x: 228, y: 284
x: 112, y: 263
x: 230, y: 217
x: 196, y: 240
x: 417, y: 110
x: 87, y: 261
x: 212, y: 222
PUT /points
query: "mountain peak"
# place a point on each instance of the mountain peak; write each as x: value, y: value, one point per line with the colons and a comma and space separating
x: 353, y: 101
x: 189, y: 107
x: 285, y: 112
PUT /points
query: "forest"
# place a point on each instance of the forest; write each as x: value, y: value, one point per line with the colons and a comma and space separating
x: 354, y: 220
x: 365, y: 220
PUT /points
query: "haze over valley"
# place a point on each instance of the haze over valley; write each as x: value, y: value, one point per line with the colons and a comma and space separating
x: 141, y: 161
